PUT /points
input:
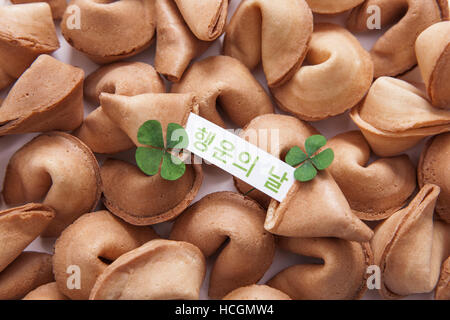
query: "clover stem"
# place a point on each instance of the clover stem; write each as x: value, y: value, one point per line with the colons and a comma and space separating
x: 250, y: 191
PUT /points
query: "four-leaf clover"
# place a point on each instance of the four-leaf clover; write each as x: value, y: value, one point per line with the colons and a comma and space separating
x: 310, y: 163
x: 149, y: 158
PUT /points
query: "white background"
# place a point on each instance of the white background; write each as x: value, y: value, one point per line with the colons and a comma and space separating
x: 214, y: 178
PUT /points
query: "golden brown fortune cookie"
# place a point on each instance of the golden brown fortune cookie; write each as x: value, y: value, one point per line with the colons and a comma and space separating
x: 48, y: 96
x: 395, y: 116
x: 228, y: 83
x: 393, y: 53
x: 158, y: 270
x: 92, y: 243
x: 332, y: 6
x: 47, y: 291
x: 29, y: 271
x: 342, y: 276
x: 410, y: 247
x: 109, y: 31
x: 59, y: 170
x: 338, y: 76
x: 130, y: 113
x: 433, y: 56
x: 146, y: 200
x: 58, y: 6
x: 19, y: 227
x: 98, y: 131
x: 374, y: 191
x: 443, y: 287
x: 26, y: 31
x: 176, y: 45
x: 274, y: 32
x: 256, y: 292
x: 128, y: 192
x: 434, y: 168
x: 313, y: 209
x: 222, y: 217
x: 206, y: 19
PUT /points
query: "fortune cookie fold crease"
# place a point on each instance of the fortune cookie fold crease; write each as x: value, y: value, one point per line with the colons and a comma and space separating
x: 206, y: 19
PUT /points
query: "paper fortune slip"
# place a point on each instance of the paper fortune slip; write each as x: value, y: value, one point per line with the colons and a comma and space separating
x: 240, y: 158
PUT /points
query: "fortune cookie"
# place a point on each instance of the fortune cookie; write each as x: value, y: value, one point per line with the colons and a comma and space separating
x: 124, y: 78
x: 206, y: 18
x: 29, y: 271
x: 256, y: 292
x: 228, y: 217
x: 231, y: 84
x: 410, y: 247
x: 57, y: 6
x: 109, y: 31
x: 342, y: 276
x: 47, y: 291
x: 98, y: 131
x: 332, y: 6
x: 48, y: 96
x: 26, y: 31
x: 377, y: 190
x: 158, y: 270
x: 146, y: 200
x: 19, y: 227
x: 58, y: 169
x: 176, y: 45
x: 313, y: 209
x: 395, y: 116
x: 393, y: 53
x: 434, y: 168
x: 338, y: 77
x: 130, y: 113
x: 274, y: 32
x: 93, y: 242
x: 433, y: 56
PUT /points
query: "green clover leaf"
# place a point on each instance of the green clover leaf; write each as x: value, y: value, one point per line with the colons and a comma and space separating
x: 172, y: 167
x: 151, y: 134
x: 176, y: 137
x: 150, y: 159
x: 314, y: 143
x: 324, y: 159
x: 306, y: 172
x: 309, y: 164
x: 295, y: 156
